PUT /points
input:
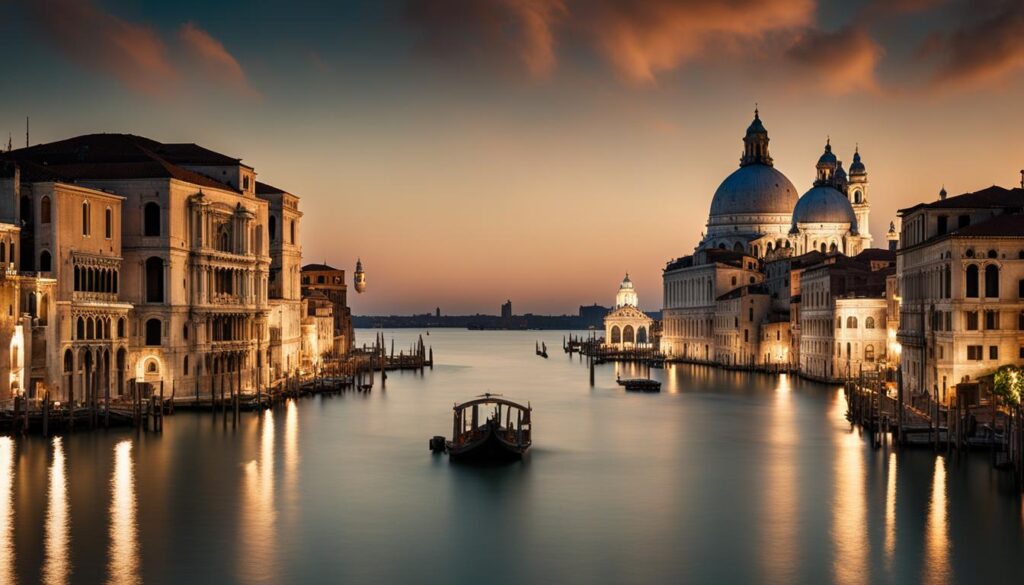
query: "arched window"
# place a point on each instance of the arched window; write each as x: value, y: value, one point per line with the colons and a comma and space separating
x: 627, y: 334
x: 90, y: 331
x: 108, y: 223
x: 972, y: 281
x: 272, y: 228
x: 737, y: 247
x: 186, y: 365
x: 869, y: 323
x: 151, y: 219
x: 120, y: 327
x: 641, y: 335
x: 45, y: 261
x: 153, y: 332
x: 851, y: 322
x: 992, y: 281
x: 993, y: 254
x: 69, y: 360
x: 869, y: 353
x: 823, y: 247
x: 44, y: 209
x: 291, y: 232
x: 839, y: 322
x: 616, y: 334
x: 44, y: 309
x: 154, y: 280
x: 80, y: 330
x: 184, y: 331
x: 86, y: 219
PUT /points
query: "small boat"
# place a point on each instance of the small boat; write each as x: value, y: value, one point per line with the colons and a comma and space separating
x: 640, y: 384
x: 490, y: 428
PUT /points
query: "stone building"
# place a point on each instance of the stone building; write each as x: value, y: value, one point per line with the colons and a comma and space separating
x: 147, y: 263
x: 737, y: 325
x: 330, y: 282
x: 843, y: 316
x: 626, y: 326
x: 961, y: 276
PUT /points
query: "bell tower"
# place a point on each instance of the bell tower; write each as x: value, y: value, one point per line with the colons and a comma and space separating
x: 755, y: 144
x: 858, y: 194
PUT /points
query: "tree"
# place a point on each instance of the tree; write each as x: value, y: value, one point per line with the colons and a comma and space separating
x: 1008, y: 384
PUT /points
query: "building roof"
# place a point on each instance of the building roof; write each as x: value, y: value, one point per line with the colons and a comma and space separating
x: 119, y: 156
x: 990, y: 197
x: 265, y: 189
x: 747, y: 289
x: 877, y: 255
x: 319, y: 268
x: 1004, y: 225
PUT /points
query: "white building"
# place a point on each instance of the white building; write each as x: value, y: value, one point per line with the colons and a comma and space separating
x: 626, y: 326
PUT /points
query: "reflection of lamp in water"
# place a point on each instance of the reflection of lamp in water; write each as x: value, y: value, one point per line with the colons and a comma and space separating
x: 258, y: 515
x: 936, y: 558
x: 890, y: 512
x: 124, y: 554
x: 57, y: 565
x: 6, y: 510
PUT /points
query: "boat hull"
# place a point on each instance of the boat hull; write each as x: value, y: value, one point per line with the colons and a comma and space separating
x: 488, y: 448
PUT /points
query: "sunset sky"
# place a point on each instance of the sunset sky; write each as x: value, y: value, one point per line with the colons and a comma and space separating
x: 471, y: 151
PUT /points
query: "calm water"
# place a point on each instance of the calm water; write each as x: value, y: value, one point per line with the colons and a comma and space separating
x: 722, y: 478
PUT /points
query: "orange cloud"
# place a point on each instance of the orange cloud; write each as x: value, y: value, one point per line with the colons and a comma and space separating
x: 213, y: 59
x: 639, y: 39
x: 983, y: 50
x: 843, y: 61
x: 643, y: 39
x: 132, y: 53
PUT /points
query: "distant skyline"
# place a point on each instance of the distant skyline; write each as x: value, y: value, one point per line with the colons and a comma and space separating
x: 473, y: 151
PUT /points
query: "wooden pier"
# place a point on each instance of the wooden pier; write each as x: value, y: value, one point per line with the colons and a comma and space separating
x: 972, y: 419
x: 144, y: 406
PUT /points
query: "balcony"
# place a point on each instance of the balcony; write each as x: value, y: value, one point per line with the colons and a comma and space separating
x: 93, y: 297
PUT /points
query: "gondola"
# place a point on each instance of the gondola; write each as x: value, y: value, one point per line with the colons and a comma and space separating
x: 490, y: 429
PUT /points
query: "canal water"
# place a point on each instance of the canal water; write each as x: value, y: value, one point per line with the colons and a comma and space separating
x: 723, y: 477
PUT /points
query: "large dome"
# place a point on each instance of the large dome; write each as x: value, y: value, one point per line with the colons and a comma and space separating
x: 754, y: 189
x: 824, y: 204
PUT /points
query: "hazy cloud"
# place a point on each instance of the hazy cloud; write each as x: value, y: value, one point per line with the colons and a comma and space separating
x: 982, y: 50
x: 210, y: 56
x: 843, y: 61
x: 640, y: 40
x: 134, y: 54
x: 643, y: 39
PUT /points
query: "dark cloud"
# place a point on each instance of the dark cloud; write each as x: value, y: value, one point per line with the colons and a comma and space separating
x: 842, y: 61
x: 132, y: 53
x: 640, y: 40
x: 982, y: 50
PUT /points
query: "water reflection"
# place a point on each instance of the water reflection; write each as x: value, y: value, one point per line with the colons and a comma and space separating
x: 57, y: 565
x: 779, y: 542
x: 890, y: 512
x: 291, y: 450
x: 256, y: 555
x: 6, y: 510
x: 124, y: 553
x: 849, y: 508
x: 936, y: 558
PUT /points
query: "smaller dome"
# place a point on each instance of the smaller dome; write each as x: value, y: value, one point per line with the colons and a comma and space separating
x: 626, y: 282
x: 840, y: 173
x: 827, y: 158
x: 756, y: 127
x: 857, y: 168
x: 824, y: 205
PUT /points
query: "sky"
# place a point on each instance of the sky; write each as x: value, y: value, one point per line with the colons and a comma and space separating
x: 473, y: 151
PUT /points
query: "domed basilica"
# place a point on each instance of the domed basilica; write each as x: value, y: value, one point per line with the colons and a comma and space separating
x: 758, y: 211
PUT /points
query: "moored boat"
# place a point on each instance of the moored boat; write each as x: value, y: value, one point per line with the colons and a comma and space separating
x: 490, y: 428
x: 641, y: 384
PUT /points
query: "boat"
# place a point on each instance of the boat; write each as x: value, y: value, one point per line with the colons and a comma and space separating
x: 542, y: 350
x: 490, y: 428
x: 640, y: 384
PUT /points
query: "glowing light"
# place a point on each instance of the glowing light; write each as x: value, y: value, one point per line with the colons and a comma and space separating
x: 57, y: 565
x: 123, y: 567
x: 890, y: 512
x: 256, y: 561
x: 781, y: 494
x: 936, y: 557
x: 6, y: 510
x: 849, y: 506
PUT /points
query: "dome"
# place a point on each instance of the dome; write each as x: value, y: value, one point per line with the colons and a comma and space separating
x: 827, y: 158
x: 626, y: 295
x: 626, y: 282
x: 754, y: 189
x: 857, y: 168
x: 824, y: 205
